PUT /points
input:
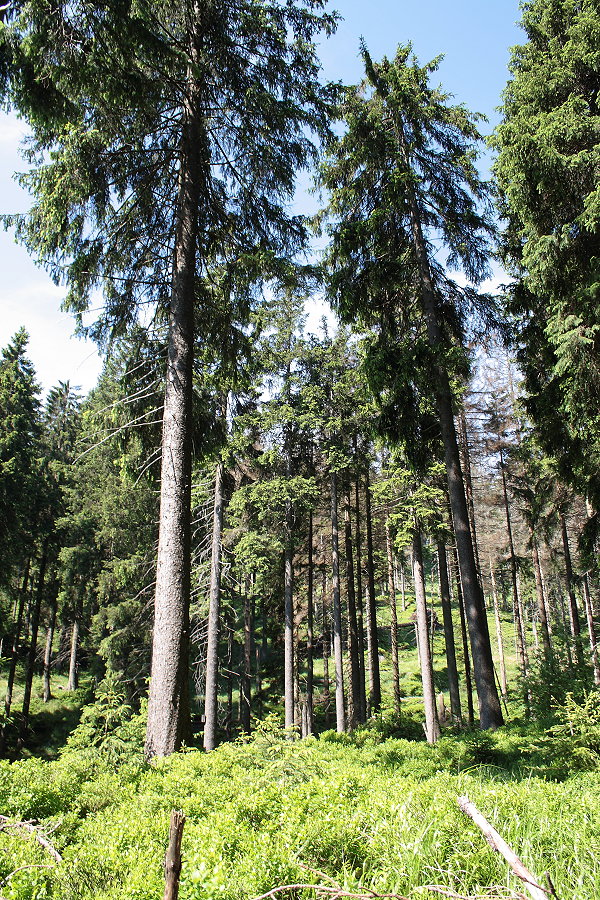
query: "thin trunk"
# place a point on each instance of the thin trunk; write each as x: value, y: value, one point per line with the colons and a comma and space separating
x: 310, y: 632
x: 73, y: 682
x: 360, y: 613
x: 539, y: 594
x: 589, y: 612
x: 464, y: 436
x: 372, y: 638
x: 31, y: 656
x: 503, y: 684
x: 519, y: 629
x: 573, y: 611
x: 448, y: 632
x: 14, y: 653
x: 465, y: 644
x: 246, y: 678
x: 337, y: 612
x: 229, y: 661
x: 326, y: 654
x: 48, y: 649
x: 393, y: 620
x: 288, y: 613
x: 168, y: 702
x: 354, y: 670
x: 563, y: 617
x: 432, y: 725
x: 402, y: 586
x: 214, y: 594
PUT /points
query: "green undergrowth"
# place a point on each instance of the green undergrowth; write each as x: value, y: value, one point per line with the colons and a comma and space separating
x: 371, y: 811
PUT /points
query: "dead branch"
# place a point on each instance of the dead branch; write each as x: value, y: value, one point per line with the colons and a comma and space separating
x: 33, y: 828
x: 333, y: 891
x: 20, y: 869
x: 499, y: 844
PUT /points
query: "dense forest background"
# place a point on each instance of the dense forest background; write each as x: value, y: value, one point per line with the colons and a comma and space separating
x: 386, y: 530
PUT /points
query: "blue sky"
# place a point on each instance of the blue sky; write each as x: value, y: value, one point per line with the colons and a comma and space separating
x: 474, y: 36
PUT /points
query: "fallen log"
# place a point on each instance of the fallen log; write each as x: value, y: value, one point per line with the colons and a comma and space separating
x: 499, y: 844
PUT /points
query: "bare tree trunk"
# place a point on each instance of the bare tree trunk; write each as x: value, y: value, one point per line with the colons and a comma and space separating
x: 73, y: 683
x: 310, y: 632
x: 48, y: 648
x: 465, y: 645
x: 448, y: 632
x: 464, y: 436
x: 214, y: 593
x: 503, y: 684
x: 372, y: 638
x: 14, y: 653
x: 589, y: 612
x: 393, y: 620
x: 432, y: 725
x: 35, y: 622
x: 246, y: 678
x: 326, y: 654
x: 354, y: 671
x: 573, y: 612
x: 229, y: 713
x: 337, y: 612
x: 539, y: 593
x: 173, y: 856
x: 289, y: 609
x: 519, y: 629
x: 360, y: 607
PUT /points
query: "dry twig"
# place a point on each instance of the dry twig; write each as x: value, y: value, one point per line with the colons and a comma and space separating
x: 33, y: 828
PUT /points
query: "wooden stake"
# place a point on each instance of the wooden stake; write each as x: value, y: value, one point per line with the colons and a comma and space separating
x: 499, y: 844
x: 173, y: 857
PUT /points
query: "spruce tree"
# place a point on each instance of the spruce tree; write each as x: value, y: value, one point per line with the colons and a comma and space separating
x: 173, y: 135
x: 403, y: 181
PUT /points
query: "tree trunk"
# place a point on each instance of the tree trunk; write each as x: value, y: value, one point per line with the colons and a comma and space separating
x: 360, y: 617
x: 503, y: 684
x: 519, y: 629
x: 246, y: 679
x: 229, y: 713
x: 337, y: 612
x: 432, y: 725
x: 539, y: 594
x: 589, y: 612
x: 448, y: 632
x: 288, y: 612
x: 465, y: 644
x: 393, y: 619
x: 73, y: 682
x: 464, y: 436
x: 214, y: 593
x: 35, y: 622
x: 326, y: 652
x: 372, y: 638
x: 14, y: 653
x: 48, y: 649
x: 168, y: 702
x: 310, y: 632
x: 573, y: 612
x: 354, y: 670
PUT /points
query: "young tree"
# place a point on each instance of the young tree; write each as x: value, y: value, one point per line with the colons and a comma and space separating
x: 171, y: 129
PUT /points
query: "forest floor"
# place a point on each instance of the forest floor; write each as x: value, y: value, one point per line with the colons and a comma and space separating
x: 375, y: 811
